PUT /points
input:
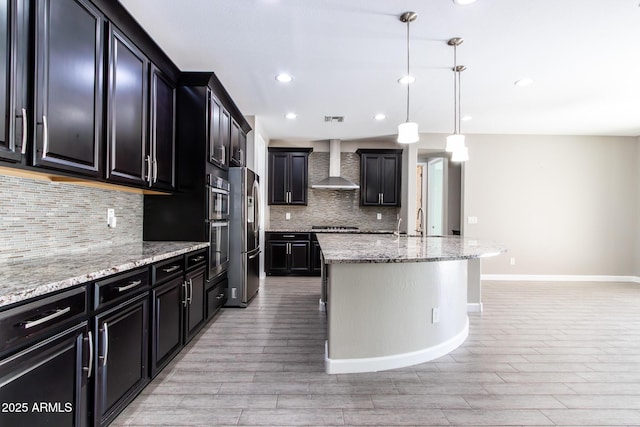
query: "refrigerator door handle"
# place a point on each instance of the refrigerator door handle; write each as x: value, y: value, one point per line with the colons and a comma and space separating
x: 255, y: 255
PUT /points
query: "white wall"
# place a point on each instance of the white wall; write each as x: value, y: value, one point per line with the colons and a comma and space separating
x: 562, y: 205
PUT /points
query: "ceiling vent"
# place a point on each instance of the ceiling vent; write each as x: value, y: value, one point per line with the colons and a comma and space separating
x: 334, y: 119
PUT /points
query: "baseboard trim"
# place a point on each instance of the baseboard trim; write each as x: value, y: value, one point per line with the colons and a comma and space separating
x: 474, y: 307
x: 558, y: 278
x: 375, y: 364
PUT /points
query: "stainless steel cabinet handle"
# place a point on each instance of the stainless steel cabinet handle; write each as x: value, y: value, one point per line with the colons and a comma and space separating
x: 24, y: 132
x: 129, y: 286
x: 241, y: 153
x: 148, y: 177
x: 105, y: 331
x: 224, y: 155
x: 198, y: 258
x: 171, y: 269
x: 56, y: 314
x: 90, y: 367
x: 288, y: 248
x: 190, y: 298
x: 184, y: 288
x: 45, y: 136
x: 219, y: 297
x: 155, y: 170
x: 289, y: 236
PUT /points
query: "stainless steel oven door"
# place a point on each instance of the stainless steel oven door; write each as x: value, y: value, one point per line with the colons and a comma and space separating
x: 218, y: 247
x: 218, y: 204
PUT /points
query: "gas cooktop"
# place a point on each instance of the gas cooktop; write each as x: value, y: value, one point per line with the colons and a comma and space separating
x: 333, y: 227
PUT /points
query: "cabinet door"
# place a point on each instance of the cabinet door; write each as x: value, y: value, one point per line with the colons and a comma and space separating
x: 13, y: 84
x: 278, y: 178
x: 299, y: 257
x: 129, y: 161
x: 69, y: 86
x: 166, y: 329
x: 371, y: 188
x: 277, y: 257
x: 390, y: 179
x: 217, y: 149
x: 122, y: 343
x: 195, y: 312
x: 225, y: 133
x: 316, y: 260
x: 298, y: 179
x: 236, y: 154
x: 243, y: 148
x: 162, y: 125
x: 50, y: 374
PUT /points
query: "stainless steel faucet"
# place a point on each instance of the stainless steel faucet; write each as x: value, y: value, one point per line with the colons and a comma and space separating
x: 420, y: 214
x: 397, y: 233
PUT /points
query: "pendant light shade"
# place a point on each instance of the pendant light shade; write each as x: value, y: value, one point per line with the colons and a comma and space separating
x: 455, y: 142
x: 408, y: 131
x: 460, y: 155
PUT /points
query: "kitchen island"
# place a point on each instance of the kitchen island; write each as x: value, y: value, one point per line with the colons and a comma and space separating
x: 395, y: 301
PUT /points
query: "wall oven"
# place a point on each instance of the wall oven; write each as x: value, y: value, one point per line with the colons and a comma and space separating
x: 218, y: 221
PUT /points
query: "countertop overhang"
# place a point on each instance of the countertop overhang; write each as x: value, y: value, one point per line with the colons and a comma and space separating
x: 389, y: 248
x: 24, y: 279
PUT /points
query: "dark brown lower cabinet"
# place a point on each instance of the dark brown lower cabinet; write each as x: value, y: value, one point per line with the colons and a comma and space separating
x: 216, y: 295
x: 166, y: 330
x: 291, y: 254
x: 122, y: 344
x: 46, y: 384
x: 195, y: 306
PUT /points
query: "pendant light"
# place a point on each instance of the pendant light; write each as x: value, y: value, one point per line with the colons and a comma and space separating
x: 408, y: 131
x: 455, y: 142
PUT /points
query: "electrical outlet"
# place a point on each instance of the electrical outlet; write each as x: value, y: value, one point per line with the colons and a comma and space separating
x: 111, y: 218
x: 287, y: 216
x: 435, y: 314
x: 378, y: 216
x: 512, y: 261
x: 472, y: 220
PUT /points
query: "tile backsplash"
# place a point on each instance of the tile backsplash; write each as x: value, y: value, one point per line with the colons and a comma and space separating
x: 333, y: 207
x: 44, y: 218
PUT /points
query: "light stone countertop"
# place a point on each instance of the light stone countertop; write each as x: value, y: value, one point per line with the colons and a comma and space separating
x: 388, y: 248
x: 325, y: 231
x: 30, y: 278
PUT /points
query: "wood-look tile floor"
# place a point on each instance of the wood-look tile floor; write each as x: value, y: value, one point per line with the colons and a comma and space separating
x: 540, y: 354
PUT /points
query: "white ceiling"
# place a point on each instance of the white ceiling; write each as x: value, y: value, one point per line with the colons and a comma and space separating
x: 346, y: 57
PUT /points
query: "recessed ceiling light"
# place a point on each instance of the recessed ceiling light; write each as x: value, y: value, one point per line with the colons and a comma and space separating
x: 463, y: 2
x: 466, y: 118
x: 380, y: 116
x: 523, y: 82
x: 406, y: 80
x: 291, y: 116
x: 284, y: 78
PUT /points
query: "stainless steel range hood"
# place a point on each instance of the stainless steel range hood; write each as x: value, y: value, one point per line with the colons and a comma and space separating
x: 335, y: 181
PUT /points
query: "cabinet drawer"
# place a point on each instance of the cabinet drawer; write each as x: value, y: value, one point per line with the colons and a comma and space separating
x: 196, y: 259
x: 37, y: 319
x: 216, y: 297
x: 167, y: 269
x: 118, y: 288
x: 288, y: 236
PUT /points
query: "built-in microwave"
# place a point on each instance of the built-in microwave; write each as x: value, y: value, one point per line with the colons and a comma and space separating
x: 218, y: 247
x: 218, y: 198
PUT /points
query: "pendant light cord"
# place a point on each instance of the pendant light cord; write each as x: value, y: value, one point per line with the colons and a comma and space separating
x: 408, y: 59
x: 455, y: 91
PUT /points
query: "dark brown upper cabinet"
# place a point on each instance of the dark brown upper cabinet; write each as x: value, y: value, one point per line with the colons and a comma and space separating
x: 218, y: 135
x: 380, y: 177
x: 14, y: 123
x: 162, y: 139
x: 288, y: 176
x: 129, y: 161
x: 238, y: 145
x: 68, y: 86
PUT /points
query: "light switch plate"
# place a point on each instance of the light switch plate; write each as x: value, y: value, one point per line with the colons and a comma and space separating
x: 472, y: 220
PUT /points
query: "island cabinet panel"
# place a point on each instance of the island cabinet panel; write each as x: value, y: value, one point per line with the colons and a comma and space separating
x: 13, y: 79
x: 69, y: 86
x: 288, y: 176
x: 380, y: 177
x: 129, y: 161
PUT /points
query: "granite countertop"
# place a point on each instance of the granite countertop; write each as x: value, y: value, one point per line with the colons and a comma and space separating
x: 324, y: 231
x: 30, y: 278
x: 368, y: 248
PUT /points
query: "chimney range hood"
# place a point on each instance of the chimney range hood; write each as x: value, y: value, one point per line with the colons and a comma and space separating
x: 335, y: 181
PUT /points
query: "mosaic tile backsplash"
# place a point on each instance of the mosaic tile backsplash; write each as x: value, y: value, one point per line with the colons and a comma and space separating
x: 43, y: 218
x: 333, y: 207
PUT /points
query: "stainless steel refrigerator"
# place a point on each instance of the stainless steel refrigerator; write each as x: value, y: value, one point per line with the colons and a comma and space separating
x: 244, y: 237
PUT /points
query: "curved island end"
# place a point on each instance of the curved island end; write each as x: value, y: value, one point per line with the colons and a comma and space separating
x: 396, y: 301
